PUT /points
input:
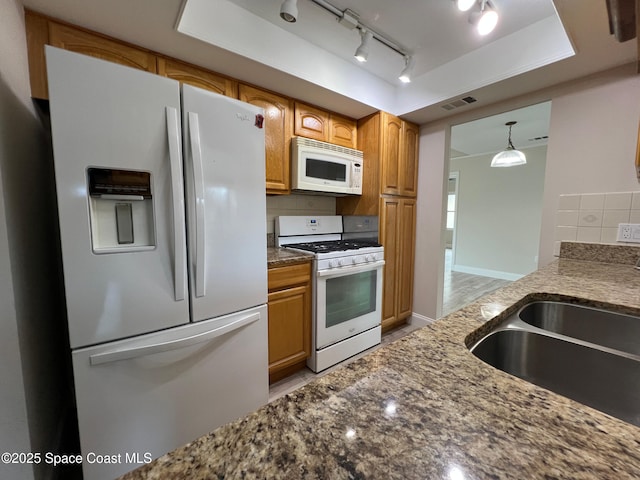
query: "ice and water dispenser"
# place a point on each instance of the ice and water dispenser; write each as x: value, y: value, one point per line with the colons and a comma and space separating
x: 121, y: 210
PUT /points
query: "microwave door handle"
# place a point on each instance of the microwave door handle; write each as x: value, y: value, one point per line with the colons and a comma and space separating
x: 177, y: 197
x: 198, y: 181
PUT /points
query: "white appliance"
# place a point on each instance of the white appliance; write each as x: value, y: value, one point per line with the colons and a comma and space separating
x: 167, y: 315
x: 347, y: 283
x: 321, y: 167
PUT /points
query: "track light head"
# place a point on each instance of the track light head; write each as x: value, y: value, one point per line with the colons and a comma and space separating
x: 486, y: 19
x: 465, y: 5
x: 405, y: 75
x: 362, y: 52
x: 289, y: 11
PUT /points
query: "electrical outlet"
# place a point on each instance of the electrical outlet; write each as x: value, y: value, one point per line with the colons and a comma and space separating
x: 629, y: 232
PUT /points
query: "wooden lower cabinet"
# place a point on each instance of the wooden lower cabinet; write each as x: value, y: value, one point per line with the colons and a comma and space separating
x: 397, y: 234
x: 289, y: 319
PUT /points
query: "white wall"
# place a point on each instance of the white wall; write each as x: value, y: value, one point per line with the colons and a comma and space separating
x: 33, y: 385
x: 592, y: 144
x: 499, y: 214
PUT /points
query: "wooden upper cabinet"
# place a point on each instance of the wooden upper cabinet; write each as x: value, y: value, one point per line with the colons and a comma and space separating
x: 278, y: 131
x: 311, y: 122
x: 392, y: 147
x: 37, y: 29
x: 399, y: 156
x: 409, y: 160
x: 197, y: 77
x: 342, y: 131
x: 95, y: 45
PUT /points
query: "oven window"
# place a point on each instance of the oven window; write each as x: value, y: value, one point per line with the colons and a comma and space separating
x: 350, y: 297
x: 326, y: 170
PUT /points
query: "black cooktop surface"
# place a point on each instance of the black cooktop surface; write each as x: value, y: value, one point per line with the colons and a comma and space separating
x: 334, y: 245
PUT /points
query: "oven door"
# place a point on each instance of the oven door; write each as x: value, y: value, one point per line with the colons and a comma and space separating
x: 348, y: 302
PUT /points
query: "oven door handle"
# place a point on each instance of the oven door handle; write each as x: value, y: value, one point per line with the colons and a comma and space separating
x: 341, y: 271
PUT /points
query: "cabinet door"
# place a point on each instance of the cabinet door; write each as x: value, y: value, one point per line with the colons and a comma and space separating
x: 342, y: 131
x: 311, y: 122
x: 391, y: 153
x: 406, y: 255
x: 197, y: 77
x: 409, y: 163
x: 389, y: 237
x: 289, y: 319
x: 289, y: 335
x: 278, y: 128
x: 79, y: 41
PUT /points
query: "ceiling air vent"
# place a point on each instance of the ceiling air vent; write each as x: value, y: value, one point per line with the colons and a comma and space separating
x: 461, y: 102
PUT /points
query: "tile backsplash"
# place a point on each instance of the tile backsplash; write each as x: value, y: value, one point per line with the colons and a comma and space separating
x: 594, y: 217
x: 298, y: 205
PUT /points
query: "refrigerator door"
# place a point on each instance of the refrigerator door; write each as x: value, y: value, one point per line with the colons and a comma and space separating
x: 151, y: 394
x: 226, y: 203
x: 124, y: 255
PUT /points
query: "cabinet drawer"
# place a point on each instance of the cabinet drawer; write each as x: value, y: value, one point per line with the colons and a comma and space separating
x: 289, y: 275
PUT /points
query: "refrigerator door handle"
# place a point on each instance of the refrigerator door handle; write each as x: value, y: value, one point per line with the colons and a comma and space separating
x: 198, y: 180
x: 179, y: 241
x: 141, y: 351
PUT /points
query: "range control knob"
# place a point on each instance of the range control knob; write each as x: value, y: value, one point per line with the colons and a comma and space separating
x: 333, y: 263
x: 370, y: 258
x: 354, y: 260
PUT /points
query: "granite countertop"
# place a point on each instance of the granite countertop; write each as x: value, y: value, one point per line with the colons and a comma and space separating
x: 277, y: 257
x: 423, y: 407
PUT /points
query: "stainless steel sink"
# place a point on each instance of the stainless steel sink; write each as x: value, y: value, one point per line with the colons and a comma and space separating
x: 602, y: 327
x: 585, y: 354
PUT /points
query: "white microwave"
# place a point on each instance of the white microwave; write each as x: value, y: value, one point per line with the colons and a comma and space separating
x: 325, y: 168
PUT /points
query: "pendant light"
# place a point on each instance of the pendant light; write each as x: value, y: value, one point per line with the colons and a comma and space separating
x: 509, y: 157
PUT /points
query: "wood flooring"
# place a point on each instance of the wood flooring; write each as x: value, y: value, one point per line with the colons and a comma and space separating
x: 460, y: 289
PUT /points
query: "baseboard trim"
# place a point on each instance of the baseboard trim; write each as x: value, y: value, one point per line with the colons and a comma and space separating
x: 419, y: 320
x: 484, y: 272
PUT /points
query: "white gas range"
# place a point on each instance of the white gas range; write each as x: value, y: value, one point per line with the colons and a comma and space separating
x: 347, y: 282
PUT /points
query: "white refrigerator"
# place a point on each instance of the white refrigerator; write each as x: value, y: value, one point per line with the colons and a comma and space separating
x: 161, y: 205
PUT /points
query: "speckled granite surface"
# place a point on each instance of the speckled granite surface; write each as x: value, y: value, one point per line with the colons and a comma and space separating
x: 425, y: 408
x: 596, y: 252
x: 277, y: 257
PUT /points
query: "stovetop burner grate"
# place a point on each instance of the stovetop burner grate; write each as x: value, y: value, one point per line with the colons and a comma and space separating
x: 334, y: 245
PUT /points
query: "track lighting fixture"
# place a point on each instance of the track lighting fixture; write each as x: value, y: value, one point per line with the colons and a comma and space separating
x: 362, y: 52
x: 405, y: 75
x: 289, y: 11
x: 464, y: 5
x: 351, y: 20
x: 485, y: 19
x: 509, y: 157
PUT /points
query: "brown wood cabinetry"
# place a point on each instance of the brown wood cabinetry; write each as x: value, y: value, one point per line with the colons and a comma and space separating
x: 397, y: 234
x: 197, y: 77
x: 79, y: 41
x: 390, y: 147
x: 42, y: 31
x: 399, y: 156
x: 312, y: 122
x: 289, y: 319
x: 343, y: 131
x: 278, y: 125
